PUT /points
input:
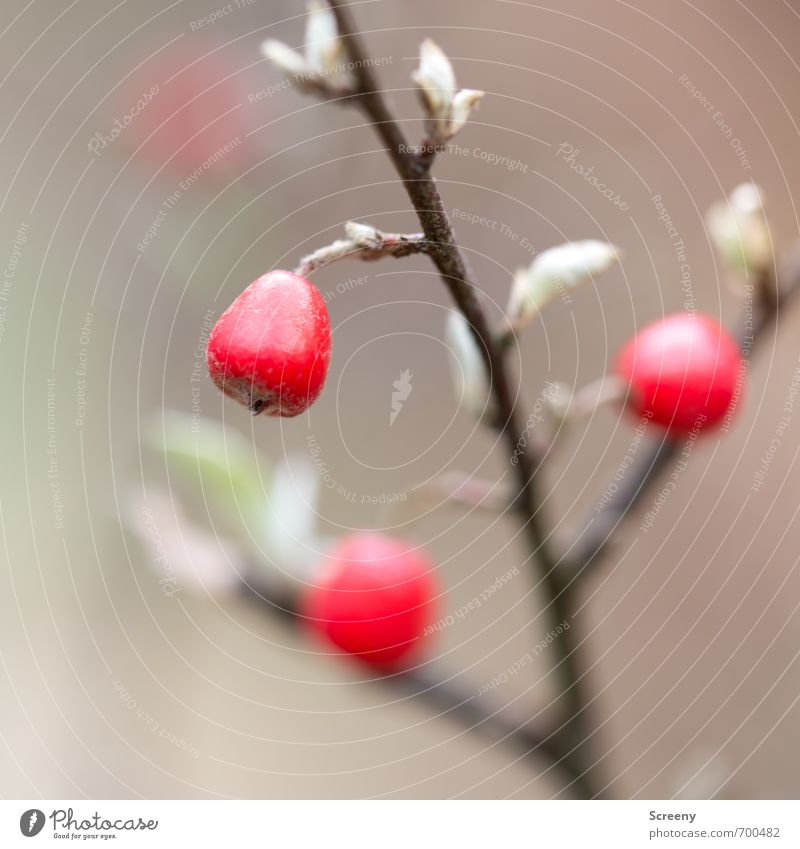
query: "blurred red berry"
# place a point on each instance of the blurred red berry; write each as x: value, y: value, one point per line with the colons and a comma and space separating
x: 189, y: 112
x: 374, y: 598
x: 271, y: 348
x: 682, y: 371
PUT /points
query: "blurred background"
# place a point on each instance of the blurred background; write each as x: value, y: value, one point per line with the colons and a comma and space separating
x: 153, y: 165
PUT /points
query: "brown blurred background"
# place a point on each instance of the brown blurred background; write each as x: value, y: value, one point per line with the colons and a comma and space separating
x: 109, y: 686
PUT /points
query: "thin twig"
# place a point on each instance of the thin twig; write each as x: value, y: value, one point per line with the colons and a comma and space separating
x: 365, y: 243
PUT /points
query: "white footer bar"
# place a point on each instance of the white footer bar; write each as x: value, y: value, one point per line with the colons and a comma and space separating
x: 401, y: 824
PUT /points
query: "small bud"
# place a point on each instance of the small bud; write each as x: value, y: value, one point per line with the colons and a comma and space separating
x: 447, y: 109
x: 463, y: 104
x: 436, y: 79
x: 324, y: 48
x: 288, y: 61
x: 469, y: 370
x: 555, y: 271
x: 321, y: 68
x: 363, y: 235
x: 557, y: 397
x: 738, y: 228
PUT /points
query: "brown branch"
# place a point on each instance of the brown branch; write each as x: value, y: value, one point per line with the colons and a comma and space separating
x: 447, y: 257
x: 448, y: 698
x: 449, y: 260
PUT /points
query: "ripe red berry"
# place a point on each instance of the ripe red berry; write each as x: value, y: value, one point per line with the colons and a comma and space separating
x: 374, y: 598
x: 271, y: 348
x: 682, y: 371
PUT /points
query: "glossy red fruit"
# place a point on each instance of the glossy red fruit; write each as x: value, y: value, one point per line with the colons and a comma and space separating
x: 683, y: 372
x: 374, y: 598
x: 271, y: 348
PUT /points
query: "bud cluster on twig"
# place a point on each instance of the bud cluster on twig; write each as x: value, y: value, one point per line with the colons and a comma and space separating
x: 365, y: 242
x: 447, y: 109
x: 738, y: 228
x: 322, y: 67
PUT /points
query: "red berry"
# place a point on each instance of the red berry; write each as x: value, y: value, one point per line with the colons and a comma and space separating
x: 374, y: 598
x: 682, y: 371
x: 271, y: 348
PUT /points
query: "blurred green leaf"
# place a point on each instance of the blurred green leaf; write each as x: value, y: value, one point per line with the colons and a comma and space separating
x: 217, y: 465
